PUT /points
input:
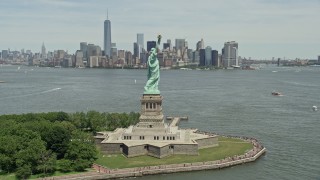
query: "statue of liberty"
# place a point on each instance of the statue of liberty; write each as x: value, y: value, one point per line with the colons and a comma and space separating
x: 151, y: 86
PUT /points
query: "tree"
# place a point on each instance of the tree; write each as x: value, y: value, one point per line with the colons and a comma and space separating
x: 31, y: 154
x: 8, y: 148
x: 57, y: 139
x: 81, y: 151
x: 65, y: 165
x: 23, y: 172
x: 79, y: 120
x: 96, y: 121
x: 47, y: 162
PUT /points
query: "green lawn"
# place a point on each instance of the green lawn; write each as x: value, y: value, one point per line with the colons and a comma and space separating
x: 5, y: 176
x: 11, y: 176
x: 227, y: 147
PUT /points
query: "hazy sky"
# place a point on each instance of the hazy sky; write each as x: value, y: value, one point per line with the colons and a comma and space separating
x: 263, y: 28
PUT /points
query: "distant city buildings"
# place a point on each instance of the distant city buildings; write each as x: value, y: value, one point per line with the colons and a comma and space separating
x: 230, y: 54
x: 151, y: 44
x: 202, y: 54
x: 215, y: 58
x: 136, y: 50
x: 208, y: 56
x: 140, y: 40
x: 79, y: 59
x: 200, y: 45
x: 179, y: 55
x: 107, y: 38
x: 5, y: 54
x: 84, y: 49
x: 43, y: 51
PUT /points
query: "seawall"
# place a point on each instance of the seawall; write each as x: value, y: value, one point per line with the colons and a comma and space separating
x: 249, y: 156
x: 173, y: 168
x: 106, y: 173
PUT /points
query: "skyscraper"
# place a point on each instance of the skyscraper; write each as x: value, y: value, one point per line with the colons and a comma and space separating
x: 208, y: 56
x: 79, y: 58
x: 215, y: 58
x: 140, y: 40
x: 4, y: 54
x: 43, y: 51
x: 107, y: 37
x: 230, y: 54
x: 151, y: 44
x: 136, y: 50
x: 200, y: 45
x: 180, y: 44
x: 84, y: 49
x: 166, y: 46
x: 202, y: 54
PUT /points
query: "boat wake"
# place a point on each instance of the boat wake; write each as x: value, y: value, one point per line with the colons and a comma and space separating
x: 32, y: 94
x: 51, y: 90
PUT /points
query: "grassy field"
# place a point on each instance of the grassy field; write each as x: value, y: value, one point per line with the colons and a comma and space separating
x: 227, y: 147
x: 6, y: 176
x: 11, y: 176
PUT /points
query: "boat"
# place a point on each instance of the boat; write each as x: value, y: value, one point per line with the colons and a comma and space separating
x: 275, y: 93
x: 314, y: 108
x: 248, y: 68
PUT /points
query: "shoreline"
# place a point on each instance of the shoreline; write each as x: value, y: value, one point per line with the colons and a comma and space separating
x: 106, y: 173
x: 168, y: 169
x: 252, y: 155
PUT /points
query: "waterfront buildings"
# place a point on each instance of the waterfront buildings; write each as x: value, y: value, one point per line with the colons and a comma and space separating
x: 4, y: 54
x: 196, y: 57
x: 84, y: 48
x: 215, y: 58
x: 79, y: 58
x: 208, y: 57
x: 230, y: 54
x: 202, y: 60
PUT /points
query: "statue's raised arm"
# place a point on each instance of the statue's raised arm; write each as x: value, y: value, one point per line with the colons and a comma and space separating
x: 151, y: 86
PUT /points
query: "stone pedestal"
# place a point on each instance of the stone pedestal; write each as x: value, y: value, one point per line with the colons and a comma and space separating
x: 151, y: 112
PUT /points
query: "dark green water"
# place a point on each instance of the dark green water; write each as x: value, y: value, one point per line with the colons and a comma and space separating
x: 232, y: 102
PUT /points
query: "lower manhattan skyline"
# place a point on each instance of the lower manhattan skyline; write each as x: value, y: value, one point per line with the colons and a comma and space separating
x: 265, y: 29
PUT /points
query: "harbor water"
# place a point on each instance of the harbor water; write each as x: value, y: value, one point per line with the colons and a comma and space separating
x: 230, y: 102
